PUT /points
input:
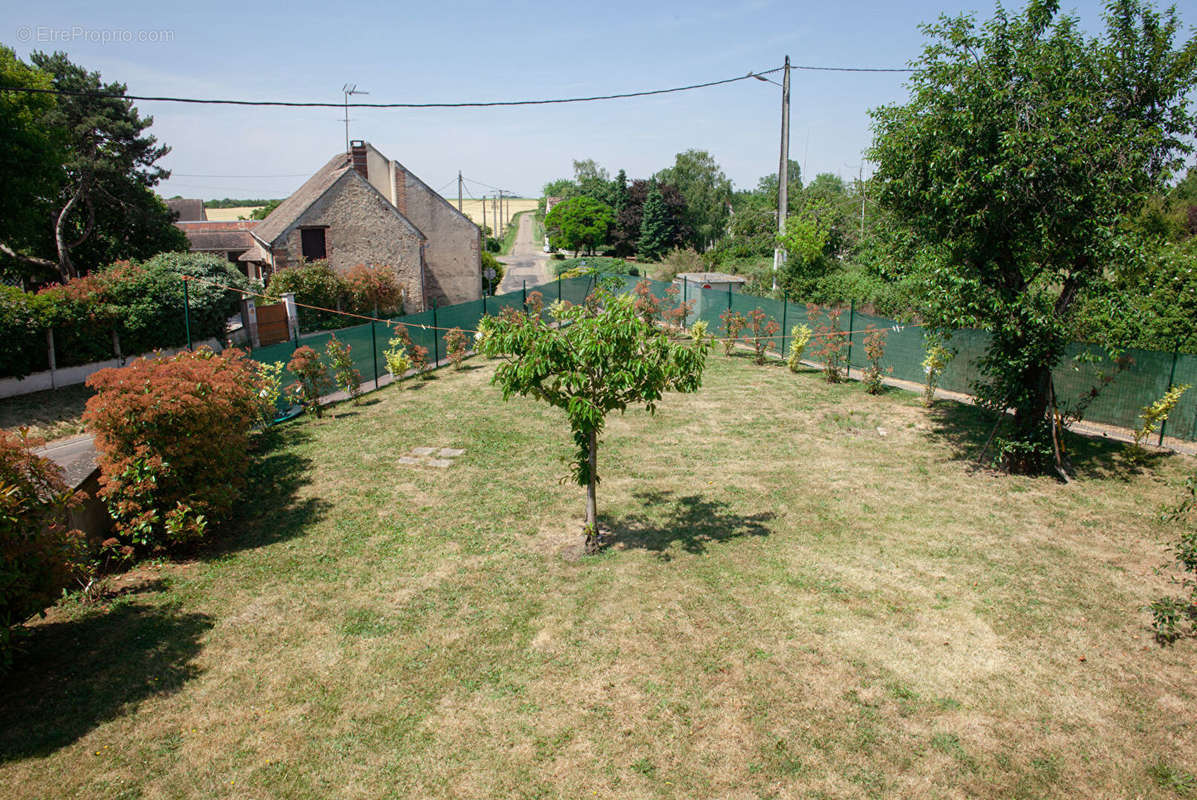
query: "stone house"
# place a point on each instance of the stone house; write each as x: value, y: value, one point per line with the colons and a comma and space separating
x: 363, y: 208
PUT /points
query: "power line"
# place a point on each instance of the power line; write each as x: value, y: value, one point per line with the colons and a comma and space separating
x: 471, y: 104
x: 208, y: 175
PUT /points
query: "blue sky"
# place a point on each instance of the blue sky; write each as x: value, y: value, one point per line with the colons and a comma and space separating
x: 444, y: 52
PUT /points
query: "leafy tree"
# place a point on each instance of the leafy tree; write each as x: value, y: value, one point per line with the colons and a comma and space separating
x: 1022, y: 147
x: 262, y: 212
x: 30, y: 167
x: 766, y: 188
x: 602, y: 358
x: 106, y: 199
x: 707, y: 192
x: 579, y: 223
x: 656, y: 227
x: 805, y: 242
x: 626, y: 232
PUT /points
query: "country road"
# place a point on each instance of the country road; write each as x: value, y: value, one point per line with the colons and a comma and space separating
x: 528, y: 261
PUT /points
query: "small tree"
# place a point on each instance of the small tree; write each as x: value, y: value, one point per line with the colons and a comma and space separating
x: 602, y: 357
x: 831, y: 344
x: 799, y: 338
x: 579, y: 223
x: 934, y: 363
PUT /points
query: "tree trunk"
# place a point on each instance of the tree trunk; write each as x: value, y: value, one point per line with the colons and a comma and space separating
x: 64, y: 250
x: 592, y: 534
x: 1030, y: 421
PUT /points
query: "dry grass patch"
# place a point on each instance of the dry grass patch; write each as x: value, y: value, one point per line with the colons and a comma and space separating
x: 793, y: 604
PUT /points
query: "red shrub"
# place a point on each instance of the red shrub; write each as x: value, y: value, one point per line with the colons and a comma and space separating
x: 830, y: 344
x: 313, y: 378
x: 373, y: 289
x: 173, y: 435
x: 38, y: 555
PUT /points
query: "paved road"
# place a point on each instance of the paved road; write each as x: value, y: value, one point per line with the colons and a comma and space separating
x: 527, y: 261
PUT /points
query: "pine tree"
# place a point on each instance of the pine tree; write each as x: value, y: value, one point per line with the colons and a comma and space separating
x: 656, y: 227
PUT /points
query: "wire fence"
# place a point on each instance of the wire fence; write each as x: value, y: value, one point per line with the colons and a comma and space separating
x: 1143, y: 377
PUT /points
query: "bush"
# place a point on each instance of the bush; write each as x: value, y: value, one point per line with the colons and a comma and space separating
x: 372, y: 290
x: 677, y: 261
x: 831, y: 345
x: 733, y: 323
x: 173, y: 435
x: 601, y: 264
x: 490, y: 262
x: 313, y: 283
x: 345, y: 374
x: 1155, y: 415
x: 934, y: 363
x: 799, y: 337
x: 312, y: 378
x: 874, y: 345
x: 762, y: 328
x: 142, y: 302
x: 455, y: 343
x: 1173, y: 616
x: 417, y: 355
x: 398, y: 361
x: 39, y: 556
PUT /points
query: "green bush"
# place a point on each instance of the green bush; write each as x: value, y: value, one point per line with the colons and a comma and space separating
x: 612, y: 266
x: 314, y: 283
x: 142, y: 302
x: 39, y: 556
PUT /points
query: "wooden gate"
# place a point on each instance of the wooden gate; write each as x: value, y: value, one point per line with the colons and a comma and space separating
x: 272, y: 324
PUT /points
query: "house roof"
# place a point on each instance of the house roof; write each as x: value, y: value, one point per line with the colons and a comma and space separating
x: 219, y: 235
x: 188, y: 209
x: 293, y: 207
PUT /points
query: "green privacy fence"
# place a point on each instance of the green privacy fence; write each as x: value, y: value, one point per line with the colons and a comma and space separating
x: 1145, y: 378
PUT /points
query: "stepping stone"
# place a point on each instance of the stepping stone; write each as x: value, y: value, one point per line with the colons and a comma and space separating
x: 449, y: 452
x: 440, y: 462
x: 423, y: 451
x: 409, y: 460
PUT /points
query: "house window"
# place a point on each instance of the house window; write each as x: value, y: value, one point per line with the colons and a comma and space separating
x: 312, y: 240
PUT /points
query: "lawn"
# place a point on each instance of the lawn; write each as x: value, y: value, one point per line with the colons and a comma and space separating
x: 52, y: 414
x: 810, y: 593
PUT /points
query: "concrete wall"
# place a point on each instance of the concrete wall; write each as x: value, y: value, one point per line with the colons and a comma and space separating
x: 453, y: 244
x: 361, y: 228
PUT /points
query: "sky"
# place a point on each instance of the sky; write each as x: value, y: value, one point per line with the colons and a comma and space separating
x: 453, y: 52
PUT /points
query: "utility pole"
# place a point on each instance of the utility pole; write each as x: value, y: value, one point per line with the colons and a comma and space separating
x: 348, y: 89
x: 494, y: 206
x: 502, y: 216
x: 860, y: 188
x: 459, y: 191
x: 484, y: 217
x: 783, y: 172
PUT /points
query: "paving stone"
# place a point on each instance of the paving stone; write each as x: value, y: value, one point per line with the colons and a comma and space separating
x: 409, y: 460
x: 439, y: 462
x: 449, y: 452
x: 423, y: 451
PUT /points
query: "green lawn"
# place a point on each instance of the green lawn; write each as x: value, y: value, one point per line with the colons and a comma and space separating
x: 811, y: 593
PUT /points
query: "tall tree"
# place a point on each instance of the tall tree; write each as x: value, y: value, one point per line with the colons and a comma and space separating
x: 626, y: 233
x: 1022, y: 147
x: 707, y: 191
x: 30, y: 168
x: 603, y: 358
x: 110, y: 168
x: 656, y: 227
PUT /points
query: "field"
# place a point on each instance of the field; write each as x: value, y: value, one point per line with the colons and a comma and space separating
x: 811, y: 592
x: 473, y: 208
x: 220, y: 214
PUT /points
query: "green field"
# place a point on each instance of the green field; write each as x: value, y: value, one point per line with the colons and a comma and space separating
x: 811, y: 592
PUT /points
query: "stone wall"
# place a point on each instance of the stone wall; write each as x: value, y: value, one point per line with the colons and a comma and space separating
x: 452, y: 250
x: 361, y: 227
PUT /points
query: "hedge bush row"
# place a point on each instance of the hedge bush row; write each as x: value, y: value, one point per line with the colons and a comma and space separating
x: 142, y: 302
x: 362, y: 290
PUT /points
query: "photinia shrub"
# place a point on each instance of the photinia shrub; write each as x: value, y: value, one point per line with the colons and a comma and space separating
x: 831, y: 345
x: 455, y: 343
x: 39, y: 556
x: 344, y: 372
x: 312, y: 378
x: 874, y: 345
x: 762, y: 328
x: 733, y: 324
x: 417, y: 355
x: 373, y: 289
x: 173, y: 435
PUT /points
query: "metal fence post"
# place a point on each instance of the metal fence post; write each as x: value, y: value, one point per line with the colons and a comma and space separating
x: 374, y: 350
x: 558, y: 288
x: 1171, y: 376
x: 785, y: 307
x: 50, y: 356
x: 187, y: 313
x: 436, y: 335
x: 729, y: 295
x: 484, y: 304
x: 851, y: 325
x: 525, y: 293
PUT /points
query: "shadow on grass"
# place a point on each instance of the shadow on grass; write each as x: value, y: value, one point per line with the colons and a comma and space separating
x: 692, y: 521
x: 966, y: 428
x: 272, y: 510
x: 75, y: 675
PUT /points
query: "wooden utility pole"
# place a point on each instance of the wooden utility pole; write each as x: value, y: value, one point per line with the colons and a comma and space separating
x: 783, y: 172
x: 484, y: 216
x: 502, y: 215
x: 459, y: 191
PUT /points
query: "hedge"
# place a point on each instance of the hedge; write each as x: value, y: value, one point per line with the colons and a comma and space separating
x: 141, y: 302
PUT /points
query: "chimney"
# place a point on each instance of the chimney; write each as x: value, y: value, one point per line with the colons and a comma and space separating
x: 358, y: 150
